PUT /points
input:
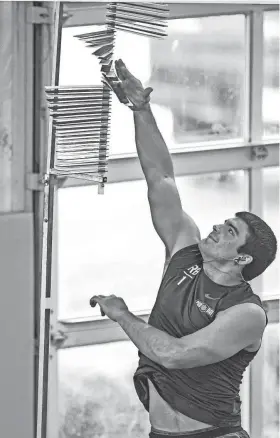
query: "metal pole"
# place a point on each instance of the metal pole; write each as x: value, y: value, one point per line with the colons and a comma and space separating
x: 46, y: 272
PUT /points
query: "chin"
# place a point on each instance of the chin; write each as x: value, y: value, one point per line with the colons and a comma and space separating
x: 207, y: 248
x: 206, y: 242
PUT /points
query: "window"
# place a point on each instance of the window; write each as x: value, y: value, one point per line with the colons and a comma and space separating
x: 197, y: 72
x: 245, y: 402
x: 271, y: 92
x: 77, y: 65
x: 96, y: 393
x: 108, y: 243
x: 198, y: 77
x: 97, y: 397
x: 271, y: 216
x: 270, y: 403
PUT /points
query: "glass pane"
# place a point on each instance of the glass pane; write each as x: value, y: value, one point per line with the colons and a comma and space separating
x: 271, y: 216
x: 271, y: 91
x: 197, y: 72
x: 107, y: 244
x: 97, y: 398
x: 245, y: 402
x: 271, y: 384
x: 198, y: 77
x: 77, y: 65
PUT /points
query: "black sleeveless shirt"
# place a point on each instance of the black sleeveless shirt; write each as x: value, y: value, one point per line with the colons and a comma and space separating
x: 187, y: 301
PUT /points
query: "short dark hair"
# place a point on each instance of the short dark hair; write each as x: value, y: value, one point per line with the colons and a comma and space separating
x: 261, y: 244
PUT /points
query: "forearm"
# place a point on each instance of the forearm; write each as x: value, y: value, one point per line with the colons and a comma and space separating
x: 164, y: 349
x: 153, y: 343
x: 153, y: 153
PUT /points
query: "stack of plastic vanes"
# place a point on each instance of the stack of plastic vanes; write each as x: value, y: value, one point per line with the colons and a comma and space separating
x: 146, y: 19
x: 81, y: 117
x: 103, y: 41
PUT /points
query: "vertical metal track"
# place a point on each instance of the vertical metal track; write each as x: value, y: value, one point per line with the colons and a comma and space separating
x: 36, y: 196
x: 47, y: 248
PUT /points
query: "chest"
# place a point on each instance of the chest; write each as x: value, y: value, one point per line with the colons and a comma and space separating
x: 185, y: 303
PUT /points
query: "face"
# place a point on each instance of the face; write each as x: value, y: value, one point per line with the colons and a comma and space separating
x: 225, y: 239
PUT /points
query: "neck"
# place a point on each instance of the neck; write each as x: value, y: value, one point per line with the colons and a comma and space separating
x: 223, y: 274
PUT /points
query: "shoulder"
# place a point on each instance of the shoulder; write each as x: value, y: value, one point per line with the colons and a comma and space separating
x: 183, y: 258
x: 186, y: 254
x: 250, y: 313
x: 188, y: 234
x: 239, y: 295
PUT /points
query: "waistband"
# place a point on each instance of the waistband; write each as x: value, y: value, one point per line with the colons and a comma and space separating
x: 209, y: 432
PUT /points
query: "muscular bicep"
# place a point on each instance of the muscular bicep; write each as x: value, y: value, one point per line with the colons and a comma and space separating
x: 233, y: 330
x: 175, y: 227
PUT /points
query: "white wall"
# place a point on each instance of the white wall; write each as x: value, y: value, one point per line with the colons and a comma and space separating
x: 16, y: 326
x: 16, y: 224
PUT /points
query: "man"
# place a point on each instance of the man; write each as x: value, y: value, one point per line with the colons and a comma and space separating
x: 207, y: 324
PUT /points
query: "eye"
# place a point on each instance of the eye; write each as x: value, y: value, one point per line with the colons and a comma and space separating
x: 231, y: 231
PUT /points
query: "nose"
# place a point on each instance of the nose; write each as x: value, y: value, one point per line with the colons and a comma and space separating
x: 215, y: 228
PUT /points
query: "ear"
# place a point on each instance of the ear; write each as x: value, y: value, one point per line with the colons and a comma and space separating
x: 243, y: 259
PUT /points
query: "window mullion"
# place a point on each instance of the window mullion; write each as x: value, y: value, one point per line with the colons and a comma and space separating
x: 82, y: 332
x: 53, y: 408
x: 255, y: 76
x: 188, y: 163
x: 79, y: 334
x: 255, y: 46
x: 183, y: 10
x: 256, y: 368
x: 84, y: 15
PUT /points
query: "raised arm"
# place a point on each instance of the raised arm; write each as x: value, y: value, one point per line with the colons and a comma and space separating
x: 173, y: 225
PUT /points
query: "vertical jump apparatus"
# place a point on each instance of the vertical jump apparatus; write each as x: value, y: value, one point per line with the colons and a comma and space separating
x: 78, y: 143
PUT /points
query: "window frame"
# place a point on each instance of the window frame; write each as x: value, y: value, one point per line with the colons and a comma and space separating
x: 194, y: 160
x: 79, y: 14
x: 86, y: 331
x: 191, y: 163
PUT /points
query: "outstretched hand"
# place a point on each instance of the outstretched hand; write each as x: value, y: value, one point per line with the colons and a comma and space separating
x: 132, y: 87
x: 111, y: 305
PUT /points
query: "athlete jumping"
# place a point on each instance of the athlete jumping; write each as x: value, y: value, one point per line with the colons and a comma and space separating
x: 207, y: 324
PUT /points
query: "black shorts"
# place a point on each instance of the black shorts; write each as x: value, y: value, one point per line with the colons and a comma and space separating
x: 209, y: 432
